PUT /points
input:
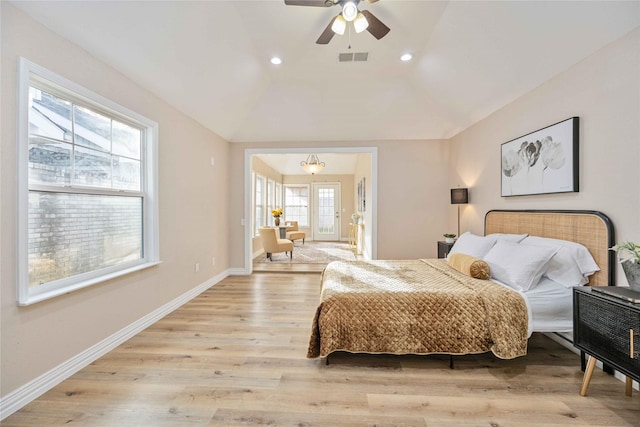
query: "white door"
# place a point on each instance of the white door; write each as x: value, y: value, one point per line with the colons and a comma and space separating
x: 326, y: 211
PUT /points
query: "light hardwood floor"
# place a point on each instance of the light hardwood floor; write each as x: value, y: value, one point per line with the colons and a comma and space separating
x: 235, y: 356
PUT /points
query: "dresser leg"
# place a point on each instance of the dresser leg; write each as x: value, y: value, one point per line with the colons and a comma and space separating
x: 628, y: 390
x: 591, y: 364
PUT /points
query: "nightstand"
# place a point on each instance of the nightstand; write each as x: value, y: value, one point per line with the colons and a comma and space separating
x: 607, y: 329
x: 444, y: 248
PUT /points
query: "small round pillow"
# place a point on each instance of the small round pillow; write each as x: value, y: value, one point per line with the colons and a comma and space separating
x: 471, y: 266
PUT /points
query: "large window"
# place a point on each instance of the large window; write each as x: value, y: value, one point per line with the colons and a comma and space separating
x: 296, y: 204
x: 87, y: 176
x: 271, y: 201
x: 278, y: 195
x: 259, y: 203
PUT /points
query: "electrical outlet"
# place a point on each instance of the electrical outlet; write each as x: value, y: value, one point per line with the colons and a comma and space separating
x: 197, y: 267
x: 213, y: 260
x: 242, y: 222
x: 213, y: 161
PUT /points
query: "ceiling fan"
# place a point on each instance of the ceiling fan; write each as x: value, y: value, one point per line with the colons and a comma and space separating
x: 362, y: 20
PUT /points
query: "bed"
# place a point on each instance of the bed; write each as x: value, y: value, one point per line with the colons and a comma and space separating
x: 425, y: 306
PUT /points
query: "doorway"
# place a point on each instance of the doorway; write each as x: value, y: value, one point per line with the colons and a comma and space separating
x: 326, y: 211
x: 371, y: 169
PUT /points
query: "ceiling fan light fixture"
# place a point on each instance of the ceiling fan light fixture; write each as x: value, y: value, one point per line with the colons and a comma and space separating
x: 360, y: 23
x: 313, y: 165
x: 339, y: 25
x: 406, y: 57
x: 349, y: 11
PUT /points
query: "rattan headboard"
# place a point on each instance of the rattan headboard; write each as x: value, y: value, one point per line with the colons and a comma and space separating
x: 590, y: 228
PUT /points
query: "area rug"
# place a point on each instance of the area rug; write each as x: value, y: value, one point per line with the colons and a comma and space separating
x: 312, y: 253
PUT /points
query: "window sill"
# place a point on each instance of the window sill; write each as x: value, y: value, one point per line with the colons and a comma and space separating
x: 41, y: 296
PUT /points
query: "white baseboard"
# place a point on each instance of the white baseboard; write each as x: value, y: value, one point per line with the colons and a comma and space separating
x: 35, y: 388
x: 238, y: 272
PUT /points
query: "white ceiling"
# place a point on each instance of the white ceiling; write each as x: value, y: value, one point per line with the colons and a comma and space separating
x: 289, y: 163
x: 210, y: 59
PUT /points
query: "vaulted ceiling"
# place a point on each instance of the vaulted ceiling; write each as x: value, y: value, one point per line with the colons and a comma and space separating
x: 210, y: 59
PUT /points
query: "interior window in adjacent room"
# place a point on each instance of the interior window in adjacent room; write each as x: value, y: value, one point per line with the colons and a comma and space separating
x: 259, y: 203
x: 296, y: 204
x: 278, y: 195
x: 271, y: 200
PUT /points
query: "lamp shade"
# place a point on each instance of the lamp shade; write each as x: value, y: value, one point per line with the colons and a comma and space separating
x: 459, y: 196
x: 339, y: 25
x: 360, y: 23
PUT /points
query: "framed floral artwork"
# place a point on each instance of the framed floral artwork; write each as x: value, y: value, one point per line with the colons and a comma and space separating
x: 542, y: 162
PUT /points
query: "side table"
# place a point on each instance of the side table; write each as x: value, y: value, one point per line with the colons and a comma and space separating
x: 607, y: 328
x: 352, y: 234
x: 444, y: 248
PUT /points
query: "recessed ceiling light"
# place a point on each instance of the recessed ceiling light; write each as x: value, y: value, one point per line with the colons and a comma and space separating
x: 276, y: 60
x: 406, y: 57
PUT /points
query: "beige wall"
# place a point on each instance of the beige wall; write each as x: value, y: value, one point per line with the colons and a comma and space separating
x: 260, y: 167
x: 604, y: 91
x: 413, y: 198
x: 194, y: 214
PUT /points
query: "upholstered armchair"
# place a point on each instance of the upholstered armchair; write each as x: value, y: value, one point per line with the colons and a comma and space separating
x: 293, y: 233
x: 272, y: 244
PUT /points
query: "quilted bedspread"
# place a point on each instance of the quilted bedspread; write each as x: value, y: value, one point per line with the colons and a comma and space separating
x: 415, y: 307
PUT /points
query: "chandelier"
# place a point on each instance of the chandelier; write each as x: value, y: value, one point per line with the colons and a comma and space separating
x: 313, y: 165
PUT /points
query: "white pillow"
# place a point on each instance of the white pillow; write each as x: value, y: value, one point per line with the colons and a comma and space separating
x: 517, y: 238
x: 471, y: 244
x: 517, y: 265
x: 563, y: 269
x: 580, y: 254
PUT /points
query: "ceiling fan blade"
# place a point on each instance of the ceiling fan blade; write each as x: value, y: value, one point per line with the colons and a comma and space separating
x: 376, y: 27
x: 327, y: 34
x: 316, y: 3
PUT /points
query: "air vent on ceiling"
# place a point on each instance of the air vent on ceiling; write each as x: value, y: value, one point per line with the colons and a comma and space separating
x: 360, y: 56
x: 350, y: 57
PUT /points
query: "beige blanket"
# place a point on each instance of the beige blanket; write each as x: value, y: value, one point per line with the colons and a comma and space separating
x: 415, y: 307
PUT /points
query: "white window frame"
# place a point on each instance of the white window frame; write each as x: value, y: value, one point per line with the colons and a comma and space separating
x: 260, y: 203
x: 271, y: 201
x: 279, y: 195
x: 308, y: 224
x: 33, y: 74
x: 254, y: 227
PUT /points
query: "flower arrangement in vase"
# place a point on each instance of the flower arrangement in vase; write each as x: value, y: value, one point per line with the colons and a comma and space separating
x: 276, y: 213
x: 629, y: 256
